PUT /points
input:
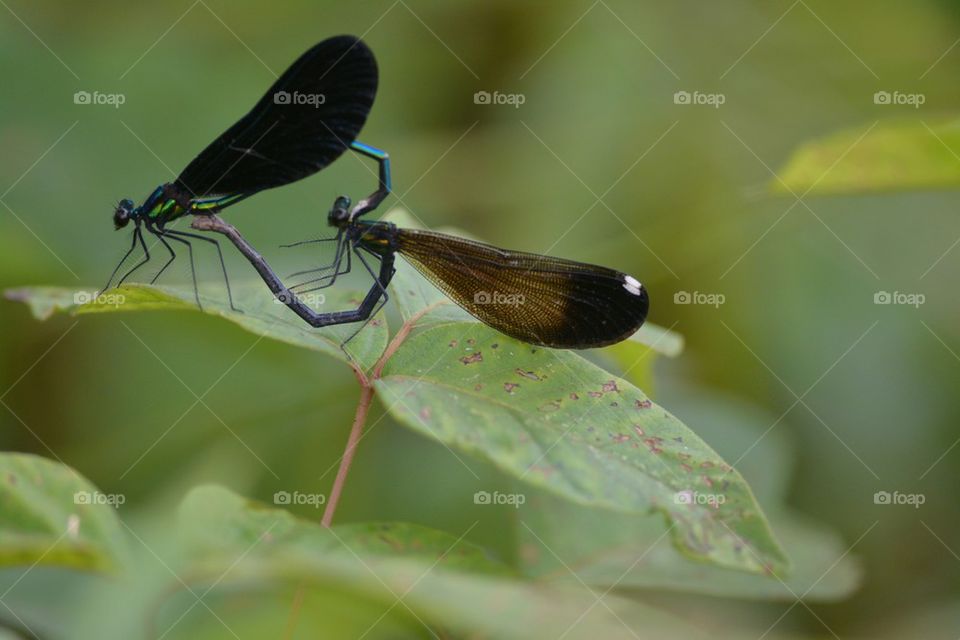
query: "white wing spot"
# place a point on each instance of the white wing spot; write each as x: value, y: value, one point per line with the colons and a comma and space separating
x: 632, y: 285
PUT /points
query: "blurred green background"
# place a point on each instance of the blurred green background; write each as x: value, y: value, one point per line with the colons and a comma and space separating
x: 598, y: 164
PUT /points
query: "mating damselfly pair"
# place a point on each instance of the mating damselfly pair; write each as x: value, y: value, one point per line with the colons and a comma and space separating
x: 310, y: 116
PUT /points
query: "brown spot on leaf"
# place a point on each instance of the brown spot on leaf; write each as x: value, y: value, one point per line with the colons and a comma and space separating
x: 471, y: 341
x: 509, y: 387
x: 652, y: 444
x: 707, y: 480
x: 425, y: 413
x: 594, y: 394
x: 574, y: 396
x: 530, y: 375
x: 553, y: 405
x: 642, y: 404
x: 620, y: 438
x: 453, y: 344
x: 706, y: 465
x: 477, y: 387
x: 473, y: 357
x: 391, y: 541
x: 686, y: 467
x: 610, y: 386
x: 639, y: 430
x: 494, y: 345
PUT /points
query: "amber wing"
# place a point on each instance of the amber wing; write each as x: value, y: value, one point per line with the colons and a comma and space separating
x: 537, y: 299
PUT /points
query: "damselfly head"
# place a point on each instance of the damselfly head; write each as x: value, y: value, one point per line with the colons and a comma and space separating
x: 123, y: 213
x: 340, y: 212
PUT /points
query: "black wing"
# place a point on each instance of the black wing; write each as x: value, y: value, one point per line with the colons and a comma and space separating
x: 538, y: 299
x: 310, y: 115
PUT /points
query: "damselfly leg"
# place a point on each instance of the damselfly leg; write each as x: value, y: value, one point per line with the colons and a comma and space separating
x: 137, y: 237
x: 216, y: 245
x: 113, y: 274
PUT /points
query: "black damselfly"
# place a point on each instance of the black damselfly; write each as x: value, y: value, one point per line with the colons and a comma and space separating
x: 305, y: 121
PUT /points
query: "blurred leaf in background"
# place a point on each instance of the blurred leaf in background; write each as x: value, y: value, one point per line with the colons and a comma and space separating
x: 887, y: 156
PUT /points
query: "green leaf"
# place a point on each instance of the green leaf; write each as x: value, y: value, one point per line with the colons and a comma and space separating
x: 893, y: 155
x: 606, y: 549
x: 611, y: 464
x: 526, y: 411
x: 553, y: 419
x: 261, y: 314
x: 213, y: 519
x: 346, y: 597
x: 251, y: 563
x: 50, y: 515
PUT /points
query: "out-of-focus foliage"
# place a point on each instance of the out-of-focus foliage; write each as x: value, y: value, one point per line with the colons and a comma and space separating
x: 907, y: 154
